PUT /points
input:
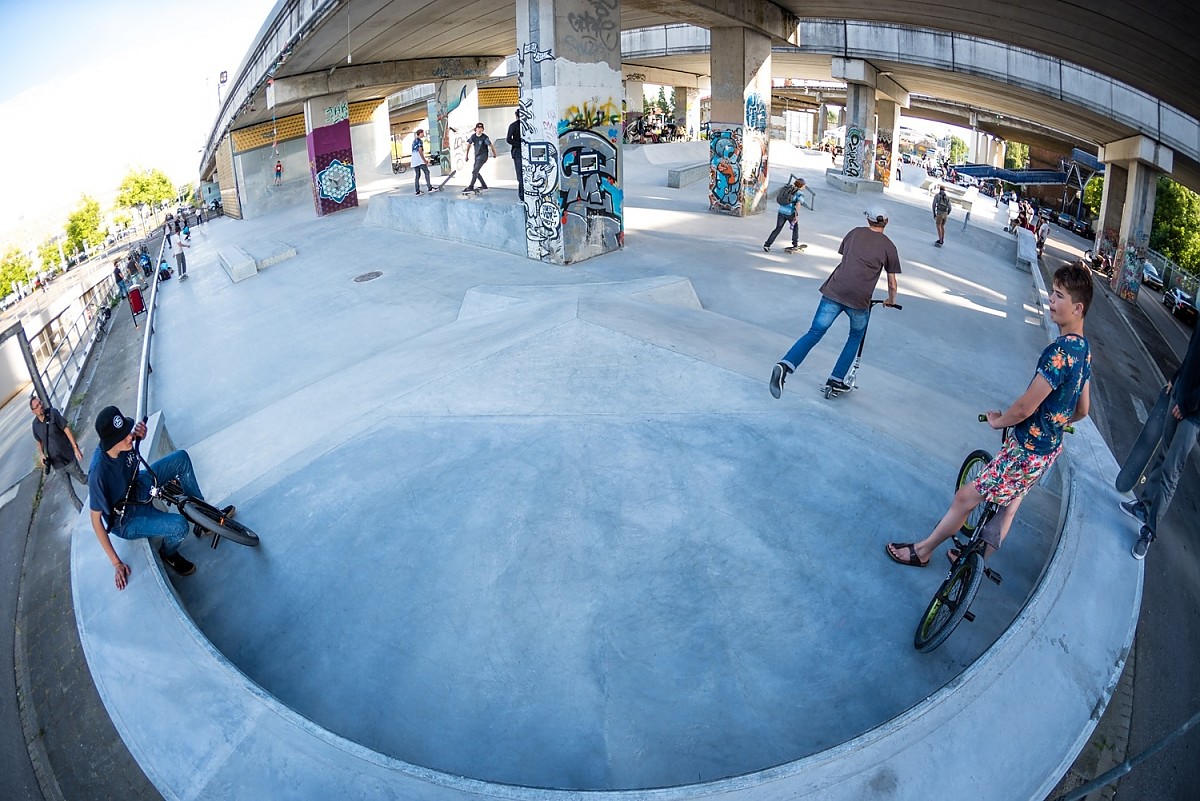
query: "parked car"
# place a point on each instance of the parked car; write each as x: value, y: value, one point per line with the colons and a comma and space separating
x: 1045, y: 213
x: 1150, y: 276
x: 1181, y: 304
x: 1082, y: 227
x: 1064, y: 219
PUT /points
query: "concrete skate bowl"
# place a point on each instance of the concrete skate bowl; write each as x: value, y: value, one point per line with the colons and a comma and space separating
x: 530, y: 576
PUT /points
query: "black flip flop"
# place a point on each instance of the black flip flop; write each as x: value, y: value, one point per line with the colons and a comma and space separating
x: 911, y: 561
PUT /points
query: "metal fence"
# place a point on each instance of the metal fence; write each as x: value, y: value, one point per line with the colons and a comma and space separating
x: 60, y: 347
x: 1172, y: 274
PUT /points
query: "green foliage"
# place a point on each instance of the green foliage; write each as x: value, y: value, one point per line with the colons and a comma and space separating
x: 146, y: 187
x: 830, y: 117
x: 958, y: 150
x: 83, y: 226
x: 1176, y: 229
x: 122, y: 220
x: 15, y: 266
x: 1016, y: 156
x: 48, y: 254
x: 1093, y: 194
x: 186, y: 194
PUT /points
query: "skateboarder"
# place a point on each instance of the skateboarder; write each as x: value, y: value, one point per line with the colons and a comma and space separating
x: 788, y: 198
x: 941, y: 212
x: 419, y: 162
x: 1171, y: 429
x: 482, y: 144
x: 514, y: 143
x: 866, y: 252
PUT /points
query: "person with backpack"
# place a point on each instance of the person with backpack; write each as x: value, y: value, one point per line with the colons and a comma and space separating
x: 941, y: 212
x: 57, y: 448
x: 788, y: 197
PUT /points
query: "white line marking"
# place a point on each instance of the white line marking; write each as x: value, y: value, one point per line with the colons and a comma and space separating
x: 1139, y: 409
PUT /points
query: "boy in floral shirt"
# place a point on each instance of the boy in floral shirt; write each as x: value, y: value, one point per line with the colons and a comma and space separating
x: 1058, y: 394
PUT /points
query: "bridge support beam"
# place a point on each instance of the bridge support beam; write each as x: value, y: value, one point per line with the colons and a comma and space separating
x: 741, y: 109
x: 635, y: 98
x: 687, y: 108
x: 330, y: 155
x: 570, y: 113
x: 858, y: 158
x: 452, y: 114
x: 887, y: 140
x: 1131, y: 170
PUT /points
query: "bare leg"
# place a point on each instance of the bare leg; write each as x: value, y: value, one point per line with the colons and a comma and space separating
x: 964, y: 501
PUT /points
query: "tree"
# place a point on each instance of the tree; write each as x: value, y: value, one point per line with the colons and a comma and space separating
x: 83, y: 226
x: 187, y: 194
x: 1016, y: 156
x: 1093, y: 194
x: 48, y: 254
x: 15, y: 267
x: 122, y: 220
x: 1175, y: 232
x: 958, y: 150
x: 151, y: 188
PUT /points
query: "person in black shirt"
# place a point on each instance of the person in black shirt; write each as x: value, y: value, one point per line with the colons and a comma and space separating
x: 514, y: 142
x: 57, y: 447
x: 482, y: 144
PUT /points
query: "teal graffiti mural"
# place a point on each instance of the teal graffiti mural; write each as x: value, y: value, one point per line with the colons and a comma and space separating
x: 725, y: 182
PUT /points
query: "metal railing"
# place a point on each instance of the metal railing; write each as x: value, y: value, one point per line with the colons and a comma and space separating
x: 144, y: 369
x: 1172, y: 274
x: 60, y: 347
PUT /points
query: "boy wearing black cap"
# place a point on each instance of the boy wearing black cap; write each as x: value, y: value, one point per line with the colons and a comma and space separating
x: 119, y: 494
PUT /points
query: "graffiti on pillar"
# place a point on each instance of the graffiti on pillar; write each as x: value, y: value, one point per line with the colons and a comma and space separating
x: 883, y: 157
x: 852, y: 155
x: 592, y: 115
x: 725, y: 177
x: 596, y: 32
x: 756, y: 112
x: 336, y: 181
x: 590, y: 194
x: 1131, y: 254
x: 542, y: 213
x: 453, y: 143
x: 754, y: 171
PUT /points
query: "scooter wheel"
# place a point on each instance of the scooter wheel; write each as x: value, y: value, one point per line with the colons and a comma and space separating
x: 828, y: 392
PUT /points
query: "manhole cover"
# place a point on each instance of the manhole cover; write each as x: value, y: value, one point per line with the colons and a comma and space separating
x: 371, y: 276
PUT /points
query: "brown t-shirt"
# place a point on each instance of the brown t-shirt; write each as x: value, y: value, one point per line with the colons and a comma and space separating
x: 865, y: 254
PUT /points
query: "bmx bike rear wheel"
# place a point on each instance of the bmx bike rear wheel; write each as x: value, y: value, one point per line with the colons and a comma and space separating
x: 212, y: 520
x: 950, y: 604
x: 972, y: 466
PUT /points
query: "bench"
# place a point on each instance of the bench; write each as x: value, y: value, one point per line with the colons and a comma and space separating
x: 1027, y: 256
x: 679, y: 177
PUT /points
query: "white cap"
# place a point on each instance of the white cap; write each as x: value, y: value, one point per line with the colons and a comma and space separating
x: 876, y: 214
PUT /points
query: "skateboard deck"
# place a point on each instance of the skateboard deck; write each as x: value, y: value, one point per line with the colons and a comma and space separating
x: 1147, y: 443
x: 797, y: 249
x: 445, y: 180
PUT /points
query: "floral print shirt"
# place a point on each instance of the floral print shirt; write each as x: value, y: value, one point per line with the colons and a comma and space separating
x: 1066, y: 364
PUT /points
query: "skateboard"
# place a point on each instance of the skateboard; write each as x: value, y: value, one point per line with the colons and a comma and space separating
x: 445, y: 180
x: 1143, y: 450
x: 474, y: 192
x: 797, y: 249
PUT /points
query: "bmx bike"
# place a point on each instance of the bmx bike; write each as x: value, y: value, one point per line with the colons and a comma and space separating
x: 399, y: 167
x: 831, y: 389
x: 951, y: 604
x: 204, y: 517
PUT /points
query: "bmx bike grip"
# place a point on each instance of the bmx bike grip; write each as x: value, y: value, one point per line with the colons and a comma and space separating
x: 983, y: 418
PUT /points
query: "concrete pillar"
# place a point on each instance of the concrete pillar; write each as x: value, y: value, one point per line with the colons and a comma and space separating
x: 815, y: 134
x: 822, y: 112
x: 330, y: 155
x: 741, y: 110
x: 635, y: 96
x: 453, y: 112
x: 1142, y: 161
x: 570, y: 113
x: 887, y: 140
x: 858, y: 160
x: 1112, y: 201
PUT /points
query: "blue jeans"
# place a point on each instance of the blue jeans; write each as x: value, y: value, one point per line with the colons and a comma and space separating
x: 143, y: 520
x: 1178, y: 439
x: 418, y: 170
x: 827, y: 312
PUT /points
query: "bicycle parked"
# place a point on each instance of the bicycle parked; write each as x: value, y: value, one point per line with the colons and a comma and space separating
x: 951, y: 604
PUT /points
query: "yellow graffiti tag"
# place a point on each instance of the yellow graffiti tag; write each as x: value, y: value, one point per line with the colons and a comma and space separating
x: 592, y: 115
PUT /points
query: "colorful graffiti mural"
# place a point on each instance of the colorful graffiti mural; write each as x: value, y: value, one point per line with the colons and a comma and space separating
x: 756, y: 112
x: 591, y: 195
x: 331, y: 162
x: 592, y: 115
x: 852, y: 155
x: 1131, y: 254
x: 883, y: 157
x: 725, y: 181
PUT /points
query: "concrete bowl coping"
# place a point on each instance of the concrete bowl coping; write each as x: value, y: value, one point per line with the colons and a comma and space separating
x: 199, y: 727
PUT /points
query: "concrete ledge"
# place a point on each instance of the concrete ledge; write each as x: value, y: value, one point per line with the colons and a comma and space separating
x: 270, y: 252
x: 846, y: 183
x: 1027, y: 257
x: 495, y: 221
x: 680, y: 177
x: 237, y: 263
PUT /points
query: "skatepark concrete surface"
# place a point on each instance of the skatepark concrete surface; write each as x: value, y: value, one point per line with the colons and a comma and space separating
x: 534, y: 531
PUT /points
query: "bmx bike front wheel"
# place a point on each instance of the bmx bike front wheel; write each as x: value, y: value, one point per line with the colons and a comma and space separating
x: 950, y: 604
x: 213, y: 521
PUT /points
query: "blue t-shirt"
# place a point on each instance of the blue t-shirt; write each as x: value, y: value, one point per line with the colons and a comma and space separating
x: 1066, y: 364
x: 108, y: 481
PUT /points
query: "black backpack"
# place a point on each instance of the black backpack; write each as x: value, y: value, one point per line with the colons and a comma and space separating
x: 784, y: 196
x: 943, y: 203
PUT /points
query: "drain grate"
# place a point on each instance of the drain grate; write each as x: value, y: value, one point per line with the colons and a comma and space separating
x: 371, y: 276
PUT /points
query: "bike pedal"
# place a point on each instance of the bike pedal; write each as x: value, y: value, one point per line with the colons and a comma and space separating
x: 969, y: 617
x: 216, y: 540
x: 993, y: 575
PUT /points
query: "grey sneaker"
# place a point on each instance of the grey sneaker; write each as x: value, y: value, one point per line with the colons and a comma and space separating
x: 177, y: 563
x: 779, y: 374
x: 767, y: 248
x: 1135, y: 509
x: 1143, y: 544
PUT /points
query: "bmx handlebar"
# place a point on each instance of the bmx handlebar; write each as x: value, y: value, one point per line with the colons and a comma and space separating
x: 1068, y: 429
x: 896, y: 306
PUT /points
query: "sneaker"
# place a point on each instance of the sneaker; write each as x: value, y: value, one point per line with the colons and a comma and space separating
x: 767, y: 248
x: 779, y: 374
x: 838, y: 384
x: 1143, y: 544
x: 1135, y: 509
x: 419, y: 192
x: 177, y: 563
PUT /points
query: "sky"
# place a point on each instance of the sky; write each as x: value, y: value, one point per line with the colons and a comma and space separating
x: 90, y: 90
